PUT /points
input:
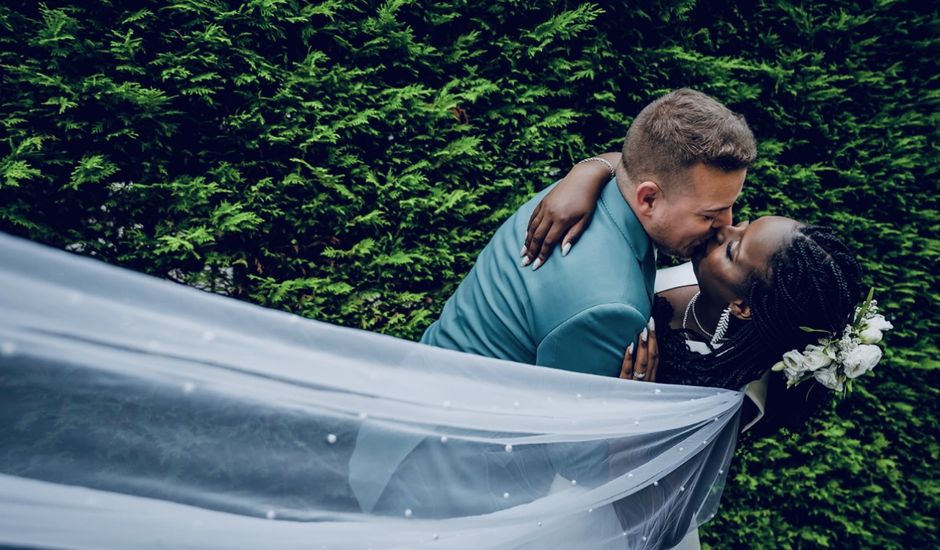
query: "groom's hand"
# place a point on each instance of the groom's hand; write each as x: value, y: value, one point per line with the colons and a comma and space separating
x: 642, y: 358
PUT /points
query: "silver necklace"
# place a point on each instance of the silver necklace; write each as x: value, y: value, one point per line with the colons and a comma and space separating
x: 691, y: 307
x: 720, y: 329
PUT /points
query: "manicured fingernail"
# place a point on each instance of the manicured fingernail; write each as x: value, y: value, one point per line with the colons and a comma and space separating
x: 645, y: 334
x: 526, y: 261
x: 651, y: 325
x: 523, y: 251
x: 565, y: 248
x: 537, y: 264
x: 630, y: 348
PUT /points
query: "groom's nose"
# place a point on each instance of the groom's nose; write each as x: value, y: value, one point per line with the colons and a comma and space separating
x: 725, y: 217
x: 727, y: 231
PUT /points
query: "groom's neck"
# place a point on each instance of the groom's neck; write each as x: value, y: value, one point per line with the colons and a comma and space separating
x: 627, y: 191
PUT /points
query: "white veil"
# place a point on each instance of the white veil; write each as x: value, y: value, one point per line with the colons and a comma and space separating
x: 135, y: 412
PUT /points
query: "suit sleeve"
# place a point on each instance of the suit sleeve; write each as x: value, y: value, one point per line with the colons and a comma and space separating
x: 592, y: 341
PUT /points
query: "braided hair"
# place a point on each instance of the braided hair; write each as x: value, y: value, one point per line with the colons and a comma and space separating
x: 813, y: 281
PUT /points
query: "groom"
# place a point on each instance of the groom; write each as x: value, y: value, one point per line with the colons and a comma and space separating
x: 684, y: 161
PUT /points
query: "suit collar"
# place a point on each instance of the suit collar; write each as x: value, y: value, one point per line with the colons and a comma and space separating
x: 625, y: 219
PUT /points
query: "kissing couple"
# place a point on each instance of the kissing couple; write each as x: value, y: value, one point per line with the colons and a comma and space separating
x: 722, y: 320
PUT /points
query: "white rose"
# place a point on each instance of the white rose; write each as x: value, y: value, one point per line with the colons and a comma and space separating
x: 793, y: 359
x: 870, y: 335
x: 816, y: 357
x: 872, y: 328
x: 877, y: 321
x: 861, y: 360
x: 793, y: 364
x: 829, y: 378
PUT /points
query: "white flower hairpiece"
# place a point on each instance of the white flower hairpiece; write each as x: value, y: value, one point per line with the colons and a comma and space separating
x: 837, y: 360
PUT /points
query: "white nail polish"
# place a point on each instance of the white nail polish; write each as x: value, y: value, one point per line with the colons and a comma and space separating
x: 537, y: 264
x: 526, y: 261
x: 630, y: 348
x: 565, y: 248
x: 651, y: 325
x: 645, y: 334
x: 522, y: 253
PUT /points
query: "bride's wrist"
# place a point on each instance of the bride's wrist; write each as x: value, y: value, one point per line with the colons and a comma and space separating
x: 599, y: 161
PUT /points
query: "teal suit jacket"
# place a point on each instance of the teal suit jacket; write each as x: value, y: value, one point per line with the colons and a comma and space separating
x: 578, y: 313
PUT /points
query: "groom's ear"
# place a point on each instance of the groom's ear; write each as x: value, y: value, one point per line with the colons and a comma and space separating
x: 646, y: 195
x: 740, y: 309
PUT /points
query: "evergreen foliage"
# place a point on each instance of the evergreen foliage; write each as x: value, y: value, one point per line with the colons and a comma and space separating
x: 347, y: 161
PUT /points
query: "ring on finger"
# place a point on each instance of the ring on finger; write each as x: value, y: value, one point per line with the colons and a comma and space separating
x: 640, y: 375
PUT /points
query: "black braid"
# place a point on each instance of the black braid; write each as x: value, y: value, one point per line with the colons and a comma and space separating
x: 814, y: 281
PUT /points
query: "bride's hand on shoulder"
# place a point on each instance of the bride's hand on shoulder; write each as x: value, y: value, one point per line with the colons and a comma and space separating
x: 566, y: 211
x: 642, y: 358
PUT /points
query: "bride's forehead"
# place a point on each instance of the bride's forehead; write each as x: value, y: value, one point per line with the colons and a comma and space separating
x: 772, y: 226
x: 765, y: 236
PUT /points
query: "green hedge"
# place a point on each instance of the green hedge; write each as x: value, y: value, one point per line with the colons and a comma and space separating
x: 348, y: 160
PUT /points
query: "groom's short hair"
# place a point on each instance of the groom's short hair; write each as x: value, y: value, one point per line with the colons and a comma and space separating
x: 681, y: 129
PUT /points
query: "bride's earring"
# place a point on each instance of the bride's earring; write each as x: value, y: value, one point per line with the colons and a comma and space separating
x: 722, y: 327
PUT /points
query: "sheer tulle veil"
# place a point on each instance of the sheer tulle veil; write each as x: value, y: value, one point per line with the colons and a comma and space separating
x: 135, y: 412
